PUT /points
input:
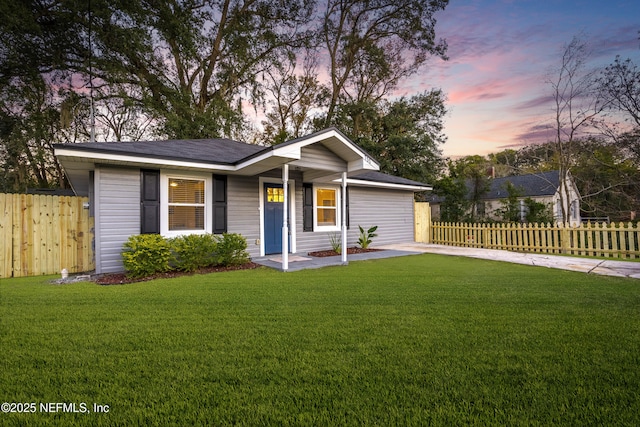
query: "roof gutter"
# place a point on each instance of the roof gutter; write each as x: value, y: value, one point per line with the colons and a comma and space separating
x: 366, y: 183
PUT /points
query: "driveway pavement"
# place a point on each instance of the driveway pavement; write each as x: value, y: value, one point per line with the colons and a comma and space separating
x: 601, y: 266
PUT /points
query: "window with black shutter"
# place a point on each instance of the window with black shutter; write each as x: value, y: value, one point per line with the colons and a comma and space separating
x: 219, y: 225
x: 307, y: 207
x: 149, y: 201
x: 347, y: 206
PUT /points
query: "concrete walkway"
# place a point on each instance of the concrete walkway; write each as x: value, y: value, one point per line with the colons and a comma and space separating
x: 603, y: 266
x: 586, y: 265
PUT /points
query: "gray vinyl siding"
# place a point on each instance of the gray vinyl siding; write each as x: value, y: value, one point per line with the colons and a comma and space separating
x: 117, y: 192
x: 390, y: 210
x: 243, y: 210
x: 320, y: 158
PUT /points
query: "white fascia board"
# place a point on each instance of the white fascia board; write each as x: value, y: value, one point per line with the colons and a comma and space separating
x: 286, y: 156
x: 122, y: 158
x: 318, y: 137
x: 363, y: 183
x: 332, y: 133
x: 365, y: 163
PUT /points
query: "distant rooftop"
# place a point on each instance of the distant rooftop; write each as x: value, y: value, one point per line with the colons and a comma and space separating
x: 531, y: 185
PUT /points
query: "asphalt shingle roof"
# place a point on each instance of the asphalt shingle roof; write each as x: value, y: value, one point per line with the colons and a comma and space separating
x: 215, y: 151
x: 386, y: 178
x: 532, y: 185
x: 218, y: 151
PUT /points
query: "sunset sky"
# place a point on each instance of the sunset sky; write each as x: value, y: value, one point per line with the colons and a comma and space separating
x: 500, y: 54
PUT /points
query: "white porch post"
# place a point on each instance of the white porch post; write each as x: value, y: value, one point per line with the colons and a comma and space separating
x: 344, y: 218
x: 285, y: 218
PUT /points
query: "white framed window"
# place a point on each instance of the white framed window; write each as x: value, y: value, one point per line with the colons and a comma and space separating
x: 185, y: 203
x: 326, y: 205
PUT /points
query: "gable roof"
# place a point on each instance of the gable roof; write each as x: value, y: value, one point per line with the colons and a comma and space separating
x: 531, y: 185
x: 219, y: 153
x: 222, y: 156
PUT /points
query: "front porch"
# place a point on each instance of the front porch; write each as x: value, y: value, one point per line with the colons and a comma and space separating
x: 304, y: 262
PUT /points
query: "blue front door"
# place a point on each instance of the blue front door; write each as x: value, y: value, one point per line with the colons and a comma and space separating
x: 273, y: 210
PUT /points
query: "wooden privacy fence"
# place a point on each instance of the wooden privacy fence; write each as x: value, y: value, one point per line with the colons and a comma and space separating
x: 422, y: 222
x: 42, y: 234
x: 598, y: 239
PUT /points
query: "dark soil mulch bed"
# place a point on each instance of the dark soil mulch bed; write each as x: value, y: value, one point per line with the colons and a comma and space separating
x: 122, y: 278
x: 350, y: 251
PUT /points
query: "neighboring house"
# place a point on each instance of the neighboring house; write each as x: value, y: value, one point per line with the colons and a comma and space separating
x: 541, y: 187
x: 328, y: 184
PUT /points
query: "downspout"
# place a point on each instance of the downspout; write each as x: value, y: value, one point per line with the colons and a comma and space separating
x: 344, y: 218
x: 285, y: 218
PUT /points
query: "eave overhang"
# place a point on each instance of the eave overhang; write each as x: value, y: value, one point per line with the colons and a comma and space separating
x: 267, y: 159
x: 377, y: 184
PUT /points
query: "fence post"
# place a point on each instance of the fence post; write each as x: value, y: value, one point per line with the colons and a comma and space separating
x: 6, y: 232
x: 565, y: 239
x: 631, y: 240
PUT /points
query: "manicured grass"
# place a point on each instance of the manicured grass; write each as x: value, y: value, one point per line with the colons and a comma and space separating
x: 418, y: 340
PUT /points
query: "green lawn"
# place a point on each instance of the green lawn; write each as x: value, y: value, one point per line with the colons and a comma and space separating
x: 415, y: 340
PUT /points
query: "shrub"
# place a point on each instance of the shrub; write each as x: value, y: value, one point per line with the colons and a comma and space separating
x: 232, y: 249
x: 146, y: 254
x: 194, y: 251
x: 537, y: 212
x: 366, y: 236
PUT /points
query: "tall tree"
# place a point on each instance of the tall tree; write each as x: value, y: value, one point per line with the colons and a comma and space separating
x: 34, y: 45
x: 292, y: 95
x: 620, y: 87
x: 576, y: 108
x: 30, y: 124
x: 404, y: 135
x: 608, y: 179
x: 372, y: 44
x: 193, y: 63
x: 182, y: 67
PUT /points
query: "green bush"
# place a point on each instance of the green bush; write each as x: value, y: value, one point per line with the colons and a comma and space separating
x: 232, y: 249
x: 146, y: 254
x: 194, y: 251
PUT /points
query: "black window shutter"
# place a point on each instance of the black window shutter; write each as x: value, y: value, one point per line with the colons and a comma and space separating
x: 307, y: 207
x: 219, y: 204
x: 347, y: 205
x: 149, y: 201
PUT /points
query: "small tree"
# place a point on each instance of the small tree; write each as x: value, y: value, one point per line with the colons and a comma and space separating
x: 537, y: 212
x: 511, y: 211
x: 455, y: 203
